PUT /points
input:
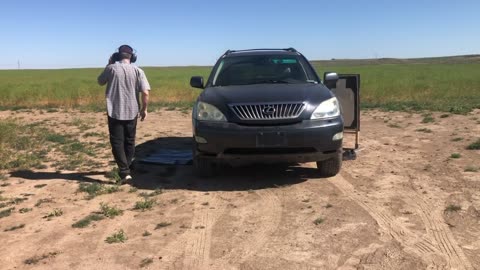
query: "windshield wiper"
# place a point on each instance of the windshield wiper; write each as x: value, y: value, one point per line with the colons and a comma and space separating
x: 271, y: 81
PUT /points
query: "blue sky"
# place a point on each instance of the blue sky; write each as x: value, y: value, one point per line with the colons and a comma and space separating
x: 69, y: 34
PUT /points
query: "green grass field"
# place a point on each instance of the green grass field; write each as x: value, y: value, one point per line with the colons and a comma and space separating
x: 440, y: 84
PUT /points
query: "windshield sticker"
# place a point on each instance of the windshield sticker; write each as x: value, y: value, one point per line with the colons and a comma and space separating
x: 284, y: 61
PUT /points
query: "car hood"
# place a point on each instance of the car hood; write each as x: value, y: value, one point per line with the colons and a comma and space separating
x: 266, y: 93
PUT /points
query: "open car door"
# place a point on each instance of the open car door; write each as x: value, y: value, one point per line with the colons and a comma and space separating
x: 347, y: 91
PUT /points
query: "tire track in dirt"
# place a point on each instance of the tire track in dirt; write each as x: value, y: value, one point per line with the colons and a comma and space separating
x: 268, y: 213
x: 439, y: 231
x: 438, y: 241
x: 191, y: 250
x: 198, y: 244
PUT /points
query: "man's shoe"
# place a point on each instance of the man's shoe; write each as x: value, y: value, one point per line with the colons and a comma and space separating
x: 126, y: 180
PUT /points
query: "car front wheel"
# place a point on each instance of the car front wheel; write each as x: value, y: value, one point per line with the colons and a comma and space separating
x: 202, y: 167
x: 330, y: 167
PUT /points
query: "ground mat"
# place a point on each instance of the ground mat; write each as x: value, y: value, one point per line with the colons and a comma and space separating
x: 169, y: 157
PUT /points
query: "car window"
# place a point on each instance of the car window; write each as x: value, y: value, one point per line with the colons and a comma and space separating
x: 242, y: 70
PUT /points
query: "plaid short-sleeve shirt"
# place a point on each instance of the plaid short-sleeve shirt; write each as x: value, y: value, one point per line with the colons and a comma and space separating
x: 124, y: 82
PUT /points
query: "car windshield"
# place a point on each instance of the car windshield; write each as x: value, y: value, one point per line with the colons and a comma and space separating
x: 257, y: 69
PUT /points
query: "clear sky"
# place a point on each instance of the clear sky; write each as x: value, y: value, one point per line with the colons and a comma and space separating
x: 84, y: 33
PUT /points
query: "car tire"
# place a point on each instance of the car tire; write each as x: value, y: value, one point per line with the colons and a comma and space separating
x: 203, y: 167
x: 330, y: 167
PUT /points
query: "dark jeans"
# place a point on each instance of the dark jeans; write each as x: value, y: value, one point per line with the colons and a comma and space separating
x: 122, y: 139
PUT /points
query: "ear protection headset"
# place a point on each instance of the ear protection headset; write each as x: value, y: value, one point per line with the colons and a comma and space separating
x: 129, y: 50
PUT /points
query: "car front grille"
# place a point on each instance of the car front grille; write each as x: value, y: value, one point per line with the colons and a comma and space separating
x: 268, y: 111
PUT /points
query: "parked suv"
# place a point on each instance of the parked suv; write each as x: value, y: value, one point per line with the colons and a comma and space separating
x: 266, y: 106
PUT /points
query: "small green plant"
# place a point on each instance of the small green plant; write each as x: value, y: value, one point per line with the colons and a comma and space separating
x: 113, y: 175
x: 84, y: 222
x: 162, y: 225
x: 457, y: 139
x: 3, y: 177
x: 74, y: 147
x: 42, y: 201
x: 318, y: 221
x: 40, y: 186
x: 37, y: 259
x: 394, y: 125
x: 56, y: 138
x: 445, y: 115
x: 151, y: 194
x: 146, y: 233
x: 17, y: 200
x: 474, y: 145
x: 174, y: 201
x: 13, y: 228
x: 6, y: 212
x: 112, y: 189
x: 424, y: 130
x: 96, y: 189
x: 427, y: 118
x: 93, y: 189
x: 453, y: 208
x: 118, y: 237
x: 25, y: 210
x: 146, y: 204
x: 110, y: 211
x: 132, y: 190
x: 145, y: 262
x: 55, y: 213
x: 455, y: 155
x: 92, y: 134
x: 471, y: 169
x: 82, y: 124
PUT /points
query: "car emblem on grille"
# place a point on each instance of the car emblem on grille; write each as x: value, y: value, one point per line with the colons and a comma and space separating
x: 268, y: 110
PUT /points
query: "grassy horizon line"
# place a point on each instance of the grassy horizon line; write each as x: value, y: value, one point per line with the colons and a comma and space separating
x: 449, y: 84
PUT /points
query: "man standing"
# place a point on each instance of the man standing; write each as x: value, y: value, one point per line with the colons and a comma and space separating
x: 124, y: 83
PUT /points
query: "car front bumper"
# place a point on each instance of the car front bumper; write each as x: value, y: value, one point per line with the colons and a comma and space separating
x: 306, y: 141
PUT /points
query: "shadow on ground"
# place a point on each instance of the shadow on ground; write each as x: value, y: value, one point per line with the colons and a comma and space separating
x: 81, y: 177
x: 149, y: 176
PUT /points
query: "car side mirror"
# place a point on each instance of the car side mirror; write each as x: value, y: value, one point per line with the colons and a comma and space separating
x: 197, y: 82
x: 330, y: 79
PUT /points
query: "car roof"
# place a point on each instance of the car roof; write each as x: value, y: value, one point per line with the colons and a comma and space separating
x: 234, y: 53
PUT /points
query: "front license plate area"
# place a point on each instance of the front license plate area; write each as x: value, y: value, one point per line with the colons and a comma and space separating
x: 269, y: 139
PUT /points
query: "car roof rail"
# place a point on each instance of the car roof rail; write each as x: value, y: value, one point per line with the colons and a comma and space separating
x: 264, y: 49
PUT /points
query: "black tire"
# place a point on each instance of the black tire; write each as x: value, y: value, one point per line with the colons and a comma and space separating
x: 203, y: 167
x: 330, y: 167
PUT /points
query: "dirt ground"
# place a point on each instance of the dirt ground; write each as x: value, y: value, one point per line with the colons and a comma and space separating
x: 404, y: 203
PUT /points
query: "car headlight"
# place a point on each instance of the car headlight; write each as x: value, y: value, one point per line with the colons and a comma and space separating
x: 206, y: 112
x: 327, y: 109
